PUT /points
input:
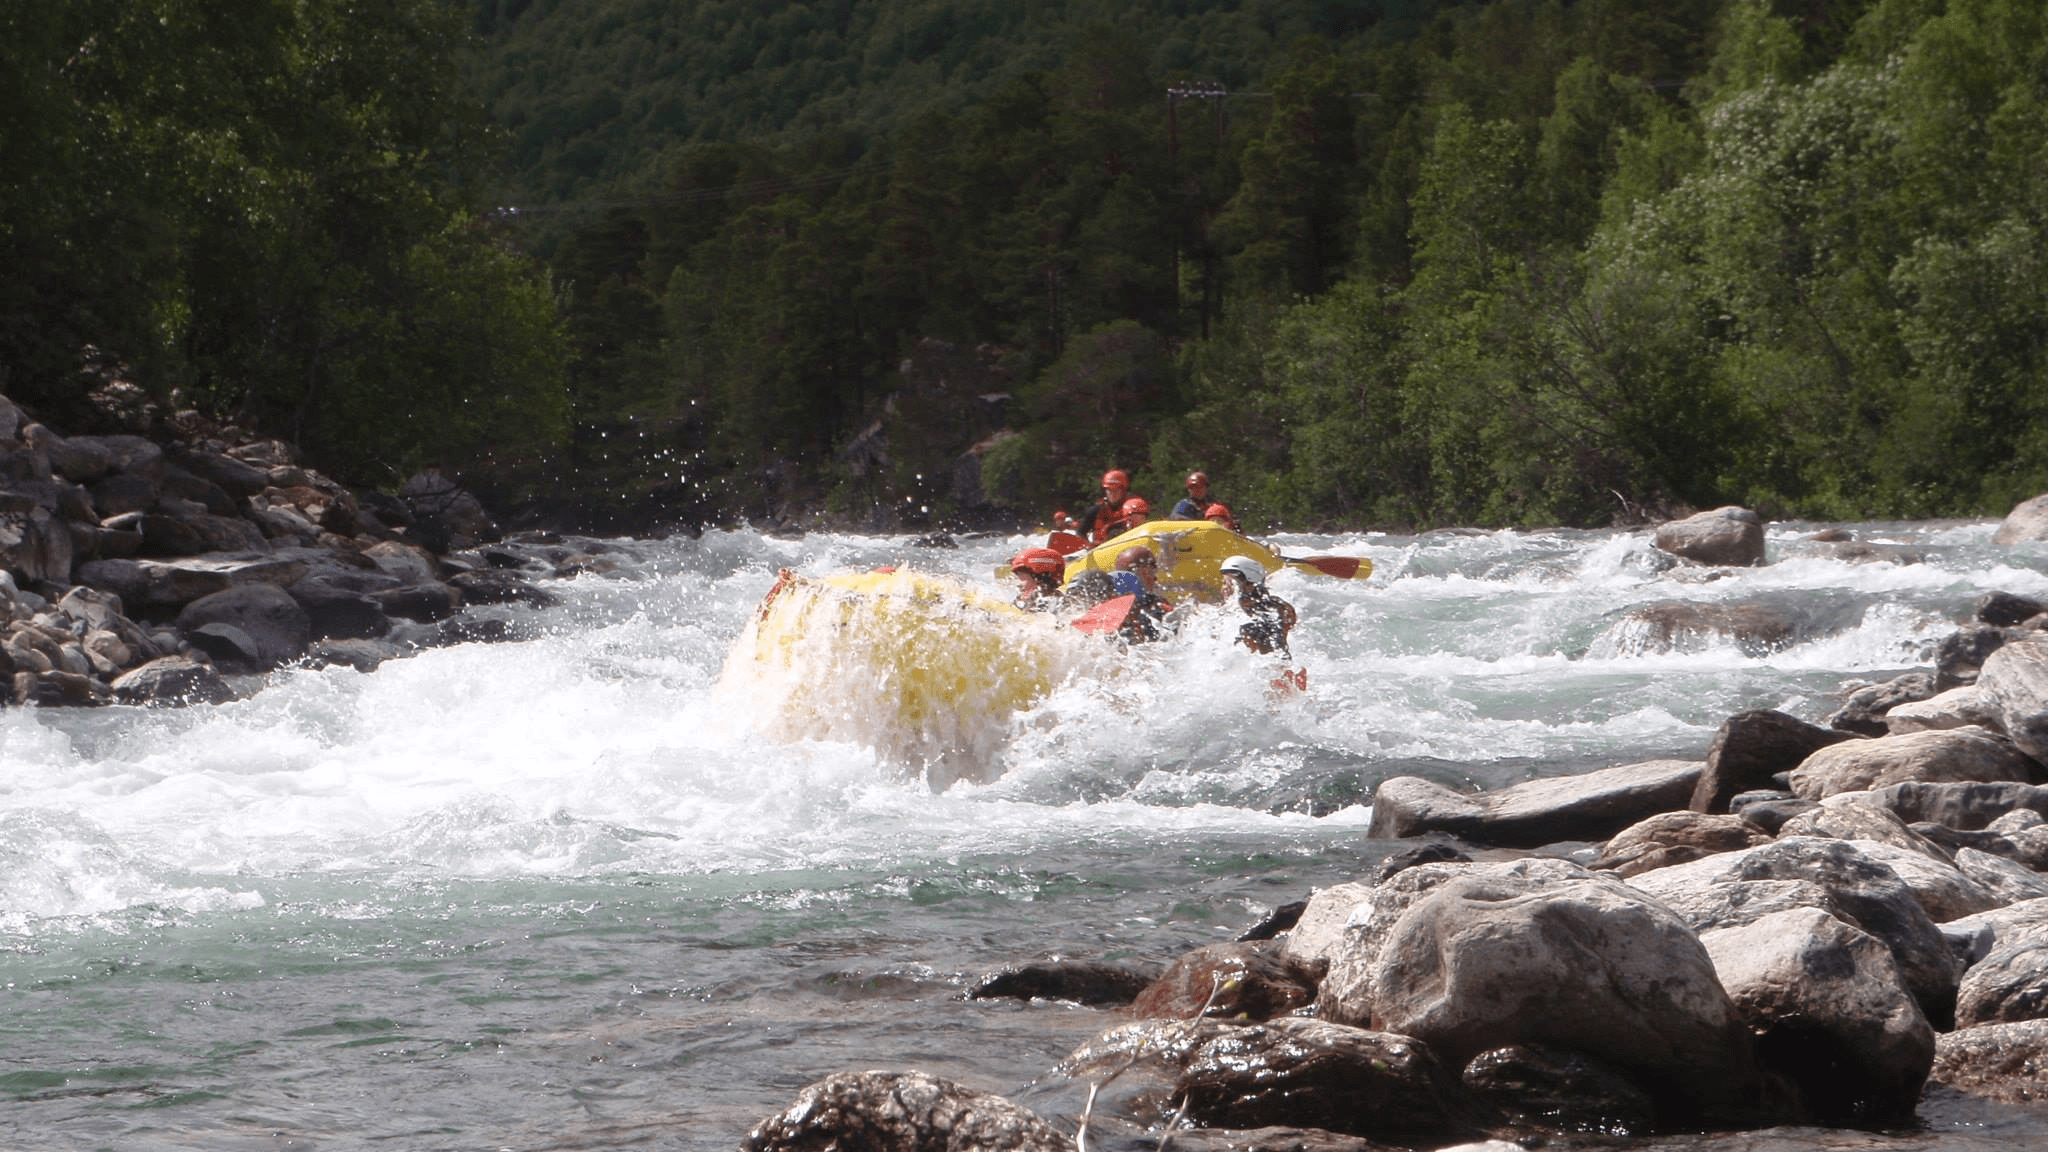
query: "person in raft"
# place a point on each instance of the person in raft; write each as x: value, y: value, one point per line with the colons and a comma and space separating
x: 1137, y: 574
x: 1104, y: 518
x: 1039, y: 572
x: 1197, y: 501
x: 1220, y: 514
x: 1271, y: 617
x: 1136, y: 511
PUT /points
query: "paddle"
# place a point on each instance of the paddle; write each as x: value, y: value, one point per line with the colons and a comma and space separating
x: 1342, y: 567
x: 1066, y: 543
x: 1105, y: 617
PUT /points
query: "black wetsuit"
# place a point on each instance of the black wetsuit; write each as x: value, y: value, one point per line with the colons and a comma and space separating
x: 1192, y: 509
x: 1271, y: 619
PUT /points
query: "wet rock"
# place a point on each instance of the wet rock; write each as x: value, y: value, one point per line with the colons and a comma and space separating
x: 2004, y: 609
x: 1961, y: 654
x: 1320, y: 1075
x: 1560, y: 1090
x: 1233, y: 981
x: 1279, y: 921
x: 230, y: 648
x: 268, y: 614
x: 1590, y: 806
x: 1963, y: 707
x: 902, y: 1112
x: 1830, y: 1010
x: 1082, y: 982
x: 2028, y: 520
x: 34, y: 542
x: 1159, y: 1044
x: 1345, y: 995
x: 175, y: 583
x: 1863, y: 713
x: 1681, y: 626
x: 493, y: 586
x: 407, y: 563
x: 1751, y: 748
x: 2016, y: 679
x: 447, y: 517
x: 2006, y: 1062
x: 361, y: 655
x: 171, y: 680
x: 1318, y: 933
x: 335, y: 612
x: 2010, y: 983
x: 1728, y: 537
x: 1942, y: 757
x: 1436, y: 852
x: 59, y: 689
x: 1768, y: 810
x: 1570, y: 958
x: 1674, y: 838
x: 419, y: 602
x: 1859, y: 888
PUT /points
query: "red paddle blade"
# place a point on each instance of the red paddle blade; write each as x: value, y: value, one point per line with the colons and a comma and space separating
x: 1105, y: 617
x: 1066, y: 543
x: 1342, y: 567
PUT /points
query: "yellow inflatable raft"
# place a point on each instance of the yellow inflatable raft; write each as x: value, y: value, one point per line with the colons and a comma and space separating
x: 921, y: 667
x: 1191, y: 555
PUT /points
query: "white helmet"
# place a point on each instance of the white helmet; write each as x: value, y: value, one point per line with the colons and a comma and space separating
x: 1253, y: 572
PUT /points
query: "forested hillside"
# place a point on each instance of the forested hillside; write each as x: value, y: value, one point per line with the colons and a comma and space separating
x: 1509, y: 262
x: 917, y: 261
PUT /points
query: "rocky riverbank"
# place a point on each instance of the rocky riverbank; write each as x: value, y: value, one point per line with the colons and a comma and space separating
x: 1811, y: 926
x: 146, y: 572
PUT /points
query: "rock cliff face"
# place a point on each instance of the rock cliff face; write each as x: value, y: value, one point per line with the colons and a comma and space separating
x: 136, y: 571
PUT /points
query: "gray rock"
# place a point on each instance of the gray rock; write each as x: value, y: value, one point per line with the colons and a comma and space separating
x: 2016, y: 679
x: 36, y: 545
x: 2028, y: 520
x: 420, y: 602
x: 448, y: 518
x: 1234, y: 981
x: 1942, y: 757
x: 124, y: 492
x: 1345, y: 995
x: 266, y: 612
x: 230, y: 648
x: 2003, y: 609
x: 1078, y: 981
x: 77, y: 460
x: 1751, y: 748
x: 1574, y: 959
x: 361, y: 655
x: 408, y: 563
x: 1730, y: 537
x: 1560, y: 1090
x: 1963, y: 707
x: 1675, y: 838
x: 163, y: 584
x: 1855, y: 816
x: 1865, y: 710
x: 1963, y: 806
x: 1681, y: 626
x: 902, y: 1112
x: 498, y: 587
x: 1960, y: 655
x: 60, y: 689
x: 1319, y: 1075
x: 1860, y: 889
x: 1590, y: 806
x: 334, y: 611
x: 1319, y: 934
x: 1830, y: 1010
x: 2010, y: 983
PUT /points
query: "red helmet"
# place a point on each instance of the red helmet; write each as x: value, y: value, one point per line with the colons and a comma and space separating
x: 1217, y: 512
x: 1134, y: 556
x: 1116, y: 478
x: 1040, y: 562
x: 1136, y: 506
x: 1195, y: 478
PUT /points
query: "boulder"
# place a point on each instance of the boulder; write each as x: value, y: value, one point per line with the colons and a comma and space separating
x: 77, y: 459
x: 337, y: 612
x: 1751, y: 748
x: 1864, y: 712
x: 2005, y: 1062
x: 491, y: 586
x: 1320, y: 1075
x: 2008, y: 881
x: 1942, y: 757
x: 419, y: 602
x: 1235, y: 981
x: 1830, y: 1011
x: 174, y: 583
x: 2004, y: 609
x: 1560, y: 1090
x: 1433, y: 852
x: 1859, y: 888
x: 2010, y: 983
x: 1768, y: 810
x: 1575, y: 959
x: 1078, y: 981
x: 2016, y: 679
x: 1589, y: 806
x: 35, y: 544
x: 1963, y: 707
x: 361, y: 655
x: 409, y: 563
x: 1986, y: 929
x: 1725, y: 537
x: 902, y: 1112
x: 1345, y: 995
x: 238, y: 478
x: 1674, y: 838
x: 1319, y: 933
x: 124, y: 492
x: 2028, y: 520
x: 447, y: 517
x: 1682, y: 626
x: 267, y: 613
x: 1963, y: 806
x: 230, y: 648
x: 1854, y: 816
x: 1960, y: 655
x: 60, y: 688
x: 1157, y: 1044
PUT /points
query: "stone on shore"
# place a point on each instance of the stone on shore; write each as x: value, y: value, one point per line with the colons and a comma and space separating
x: 2008, y: 882
x: 1967, y: 807
x: 1941, y: 757
x: 1962, y: 707
x: 1855, y: 816
x: 1574, y: 959
x: 1865, y: 710
x: 1317, y: 1074
x: 2004, y: 609
x: 2004, y: 1062
x: 1590, y: 806
x: 1233, y: 981
x: 1077, y: 981
x: 1830, y: 1010
x: 1345, y: 996
x: 174, y: 583
x: 2028, y: 520
x: 1556, y: 1089
x: 1675, y: 838
x: 902, y: 1112
x: 1724, y: 537
x: 2010, y: 984
x: 265, y: 612
x: 2016, y: 679
x: 171, y: 681
x: 1750, y: 749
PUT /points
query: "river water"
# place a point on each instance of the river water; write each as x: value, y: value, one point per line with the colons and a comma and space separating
x: 565, y: 891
